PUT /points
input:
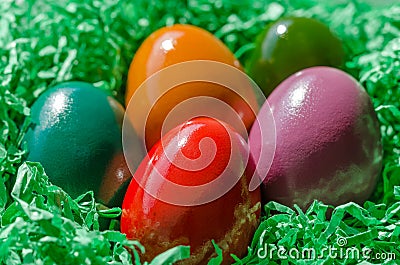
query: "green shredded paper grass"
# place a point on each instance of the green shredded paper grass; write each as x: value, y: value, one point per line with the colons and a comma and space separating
x: 46, y: 42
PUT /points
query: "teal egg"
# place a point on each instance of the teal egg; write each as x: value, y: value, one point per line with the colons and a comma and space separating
x: 76, y: 135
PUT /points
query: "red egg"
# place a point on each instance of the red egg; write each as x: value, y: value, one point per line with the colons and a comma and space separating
x: 192, y: 188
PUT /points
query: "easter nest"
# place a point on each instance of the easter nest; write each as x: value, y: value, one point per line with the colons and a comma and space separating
x: 47, y: 42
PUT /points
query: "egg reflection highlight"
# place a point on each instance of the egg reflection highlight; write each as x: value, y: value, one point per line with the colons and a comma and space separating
x: 281, y: 29
x: 167, y: 45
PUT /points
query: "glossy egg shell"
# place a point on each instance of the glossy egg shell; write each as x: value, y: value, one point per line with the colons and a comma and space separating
x: 289, y: 45
x: 76, y: 135
x: 171, y: 45
x: 230, y: 220
x: 328, y: 140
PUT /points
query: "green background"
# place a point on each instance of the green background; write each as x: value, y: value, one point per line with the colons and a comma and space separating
x: 46, y: 42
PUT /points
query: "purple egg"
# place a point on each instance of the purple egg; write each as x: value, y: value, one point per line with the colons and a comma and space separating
x: 328, y: 143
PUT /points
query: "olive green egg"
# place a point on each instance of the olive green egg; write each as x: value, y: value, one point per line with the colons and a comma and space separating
x: 289, y: 45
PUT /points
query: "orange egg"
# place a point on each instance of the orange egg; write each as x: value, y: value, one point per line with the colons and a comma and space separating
x: 172, y: 45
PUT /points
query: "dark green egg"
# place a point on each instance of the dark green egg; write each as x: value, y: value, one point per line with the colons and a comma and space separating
x: 291, y: 44
x: 76, y: 135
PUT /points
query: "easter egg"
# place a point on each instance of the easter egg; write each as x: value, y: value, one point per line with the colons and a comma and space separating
x: 328, y: 144
x: 76, y: 135
x: 169, y: 46
x: 205, y: 159
x: 289, y: 45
